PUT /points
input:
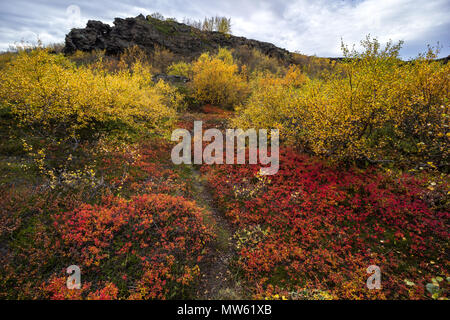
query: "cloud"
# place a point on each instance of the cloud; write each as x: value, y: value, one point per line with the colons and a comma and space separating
x: 310, y: 27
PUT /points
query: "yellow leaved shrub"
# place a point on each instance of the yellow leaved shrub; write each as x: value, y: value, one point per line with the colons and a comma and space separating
x: 216, y: 80
x: 372, y: 107
x: 49, y: 92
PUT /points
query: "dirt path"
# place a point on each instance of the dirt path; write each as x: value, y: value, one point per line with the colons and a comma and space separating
x: 217, y: 280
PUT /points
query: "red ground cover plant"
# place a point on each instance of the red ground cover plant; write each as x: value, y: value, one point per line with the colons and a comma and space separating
x: 138, y: 236
x: 146, y: 168
x: 320, y: 227
x: 29, y: 250
x: 150, y: 243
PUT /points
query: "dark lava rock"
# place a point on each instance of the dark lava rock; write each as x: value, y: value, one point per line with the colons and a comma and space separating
x: 149, y: 32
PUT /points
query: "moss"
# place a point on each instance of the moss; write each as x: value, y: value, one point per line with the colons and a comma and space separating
x: 165, y: 27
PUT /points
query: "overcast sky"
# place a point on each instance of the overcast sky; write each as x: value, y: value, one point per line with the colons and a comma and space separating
x: 310, y: 27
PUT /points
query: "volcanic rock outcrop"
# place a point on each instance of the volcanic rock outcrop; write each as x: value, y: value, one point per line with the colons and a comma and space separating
x: 148, y: 32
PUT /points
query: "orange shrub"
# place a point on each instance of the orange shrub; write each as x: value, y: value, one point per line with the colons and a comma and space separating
x: 153, y: 242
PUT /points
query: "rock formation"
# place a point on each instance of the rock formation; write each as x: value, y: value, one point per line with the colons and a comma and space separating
x: 148, y: 32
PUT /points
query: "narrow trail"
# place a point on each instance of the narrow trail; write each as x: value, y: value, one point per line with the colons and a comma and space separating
x: 217, y: 280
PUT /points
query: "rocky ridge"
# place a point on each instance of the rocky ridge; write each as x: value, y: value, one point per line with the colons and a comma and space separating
x: 148, y: 32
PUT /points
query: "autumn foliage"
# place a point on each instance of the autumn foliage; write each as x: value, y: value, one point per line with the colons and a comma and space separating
x: 315, y: 228
x: 86, y: 176
x: 148, y: 246
x: 216, y: 80
x: 49, y: 93
x: 372, y: 107
x: 161, y: 237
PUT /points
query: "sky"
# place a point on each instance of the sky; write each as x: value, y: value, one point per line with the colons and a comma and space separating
x: 309, y: 27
